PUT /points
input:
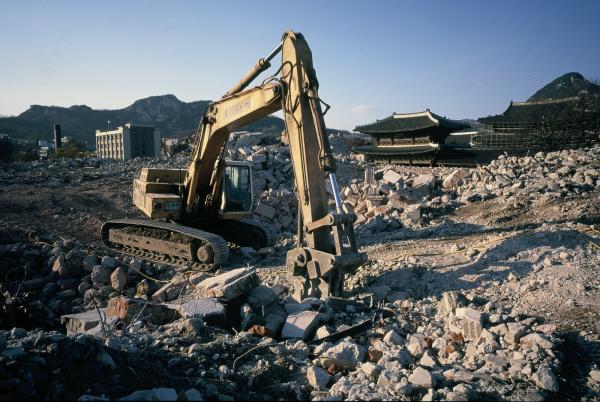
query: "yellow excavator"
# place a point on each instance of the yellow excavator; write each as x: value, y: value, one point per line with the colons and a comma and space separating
x: 196, y: 212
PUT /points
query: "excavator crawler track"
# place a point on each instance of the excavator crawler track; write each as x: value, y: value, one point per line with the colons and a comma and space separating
x: 270, y: 235
x: 243, y: 232
x: 166, y: 243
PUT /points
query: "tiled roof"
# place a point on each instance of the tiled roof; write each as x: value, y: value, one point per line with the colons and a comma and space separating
x: 409, y: 123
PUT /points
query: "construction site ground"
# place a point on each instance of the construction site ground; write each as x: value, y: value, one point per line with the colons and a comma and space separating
x: 541, y: 259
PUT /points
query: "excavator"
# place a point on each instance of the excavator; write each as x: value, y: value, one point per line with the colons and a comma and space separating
x: 195, y: 213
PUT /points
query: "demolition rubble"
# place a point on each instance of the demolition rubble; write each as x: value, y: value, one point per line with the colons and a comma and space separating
x: 481, y: 284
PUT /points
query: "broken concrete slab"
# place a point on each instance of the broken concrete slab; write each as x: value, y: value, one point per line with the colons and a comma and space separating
x: 210, y: 310
x: 422, y: 378
x: 392, y: 177
x: 81, y: 322
x: 345, y: 354
x: 317, y: 377
x: 127, y: 309
x: 229, y: 285
x: 178, y: 282
x: 261, y: 296
x: 455, y: 178
x: 300, y: 325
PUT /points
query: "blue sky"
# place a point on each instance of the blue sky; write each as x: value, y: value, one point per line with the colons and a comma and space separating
x: 462, y: 59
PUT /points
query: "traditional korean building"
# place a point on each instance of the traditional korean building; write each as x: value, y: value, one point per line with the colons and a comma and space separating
x: 408, y: 138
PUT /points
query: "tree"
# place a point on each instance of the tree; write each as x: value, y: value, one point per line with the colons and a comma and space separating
x: 71, y: 149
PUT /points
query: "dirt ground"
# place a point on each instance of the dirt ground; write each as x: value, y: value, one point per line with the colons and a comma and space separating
x: 475, y: 247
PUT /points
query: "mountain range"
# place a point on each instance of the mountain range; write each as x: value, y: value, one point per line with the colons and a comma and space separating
x: 173, y: 117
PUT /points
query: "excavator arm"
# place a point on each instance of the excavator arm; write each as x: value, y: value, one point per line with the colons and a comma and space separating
x: 326, y: 247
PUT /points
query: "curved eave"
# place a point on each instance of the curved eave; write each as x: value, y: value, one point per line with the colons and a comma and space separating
x: 396, y: 150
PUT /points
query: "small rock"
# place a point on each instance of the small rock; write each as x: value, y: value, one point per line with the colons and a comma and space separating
x: 118, y: 279
x: 60, y: 266
x: 514, y: 332
x: 422, y: 378
x: 387, y: 378
x: 154, y: 394
x: 370, y: 369
x: 100, y: 274
x: 345, y: 354
x: 317, y: 377
x: 17, y: 333
x: 89, y: 262
x: 427, y: 360
x: 392, y: 338
x: 545, y: 379
x: 109, y: 262
x: 192, y: 394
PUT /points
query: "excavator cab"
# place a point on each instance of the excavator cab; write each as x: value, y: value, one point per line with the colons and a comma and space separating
x: 237, y: 196
x: 156, y: 191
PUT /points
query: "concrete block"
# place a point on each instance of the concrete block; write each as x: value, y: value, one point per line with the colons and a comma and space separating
x: 261, y: 296
x: 453, y: 179
x: 392, y: 177
x: 422, y: 378
x: 228, y: 285
x: 275, y: 316
x: 210, y: 310
x: 373, y: 203
x: 300, y: 325
x: 317, y: 377
x: 472, y: 324
x: 81, y: 322
x: 127, y: 309
x: 345, y: 354
x: 427, y: 180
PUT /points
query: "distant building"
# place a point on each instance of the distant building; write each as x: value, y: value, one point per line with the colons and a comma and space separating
x: 549, y: 124
x: 409, y: 137
x: 128, y: 141
x: 169, y: 142
x: 537, y: 111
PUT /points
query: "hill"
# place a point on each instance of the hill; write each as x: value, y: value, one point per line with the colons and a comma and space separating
x: 566, y: 86
x: 172, y: 116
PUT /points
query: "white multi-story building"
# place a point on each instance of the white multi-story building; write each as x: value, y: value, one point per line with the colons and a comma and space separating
x: 128, y: 141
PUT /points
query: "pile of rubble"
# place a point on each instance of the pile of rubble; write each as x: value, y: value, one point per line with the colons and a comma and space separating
x: 406, y: 199
x: 273, y: 177
x: 379, y: 344
x: 47, y: 277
